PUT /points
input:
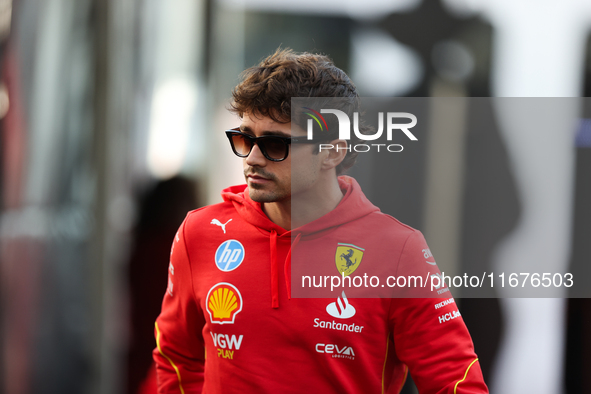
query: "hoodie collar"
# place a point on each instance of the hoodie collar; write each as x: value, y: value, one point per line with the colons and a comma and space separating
x: 250, y: 210
x: 353, y: 205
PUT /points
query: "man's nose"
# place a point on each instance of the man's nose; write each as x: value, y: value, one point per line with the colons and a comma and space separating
x: 256, y: 157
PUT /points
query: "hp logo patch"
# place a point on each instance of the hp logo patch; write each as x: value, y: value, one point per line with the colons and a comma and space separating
x: 229, y: 255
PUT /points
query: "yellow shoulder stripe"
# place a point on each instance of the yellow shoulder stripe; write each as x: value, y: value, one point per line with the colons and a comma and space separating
x: 178, y: 374
x: 466, y: 374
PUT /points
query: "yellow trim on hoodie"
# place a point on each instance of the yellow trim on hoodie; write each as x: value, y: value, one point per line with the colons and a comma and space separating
x: 466, y: 374
x: 178, y: 374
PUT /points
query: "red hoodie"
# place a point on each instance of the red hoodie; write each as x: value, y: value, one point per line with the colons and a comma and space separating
x: 229, y: 325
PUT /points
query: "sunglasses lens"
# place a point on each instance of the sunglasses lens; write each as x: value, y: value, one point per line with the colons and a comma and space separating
x: 242, y: 145
x: 275, y: 147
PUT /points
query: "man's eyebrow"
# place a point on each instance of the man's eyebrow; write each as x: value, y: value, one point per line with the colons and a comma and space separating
x: 277, y: 133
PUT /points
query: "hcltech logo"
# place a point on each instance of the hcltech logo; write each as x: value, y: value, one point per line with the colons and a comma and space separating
x: 345, y: 129
x: 229, y: 255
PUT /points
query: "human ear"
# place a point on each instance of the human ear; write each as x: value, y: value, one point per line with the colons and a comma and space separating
x: 334, y: 155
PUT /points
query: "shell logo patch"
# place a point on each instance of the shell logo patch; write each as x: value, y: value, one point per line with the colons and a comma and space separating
x: 224, y: 301
x: 347, y: 258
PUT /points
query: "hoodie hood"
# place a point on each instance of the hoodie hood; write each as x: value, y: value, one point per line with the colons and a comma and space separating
x: 354, y: 205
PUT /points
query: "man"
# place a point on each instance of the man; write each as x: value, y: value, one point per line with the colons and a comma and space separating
x: 228, y: 323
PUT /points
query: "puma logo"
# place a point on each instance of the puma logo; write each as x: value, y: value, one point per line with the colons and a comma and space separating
x: 222, y: 225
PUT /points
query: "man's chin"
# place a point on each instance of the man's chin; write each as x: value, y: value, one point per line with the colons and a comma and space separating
x: 259, y: 194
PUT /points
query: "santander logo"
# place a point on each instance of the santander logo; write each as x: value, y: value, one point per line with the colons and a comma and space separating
x: 341, y: 309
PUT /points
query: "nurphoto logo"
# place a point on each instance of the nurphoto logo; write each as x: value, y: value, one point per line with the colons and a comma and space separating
x: 392, y: 120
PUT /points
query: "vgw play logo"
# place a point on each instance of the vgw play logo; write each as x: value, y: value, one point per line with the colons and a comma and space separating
x: 345, y: 129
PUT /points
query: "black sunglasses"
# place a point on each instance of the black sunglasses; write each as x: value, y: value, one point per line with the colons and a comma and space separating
x: 273, y: 147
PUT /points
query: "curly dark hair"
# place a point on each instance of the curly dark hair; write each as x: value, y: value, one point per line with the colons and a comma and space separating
x: 267, y: 89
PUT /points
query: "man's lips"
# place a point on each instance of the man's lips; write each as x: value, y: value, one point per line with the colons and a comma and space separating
x: 257, y: 178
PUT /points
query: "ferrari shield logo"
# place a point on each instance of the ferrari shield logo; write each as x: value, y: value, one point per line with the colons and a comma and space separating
x: 348, y: 257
